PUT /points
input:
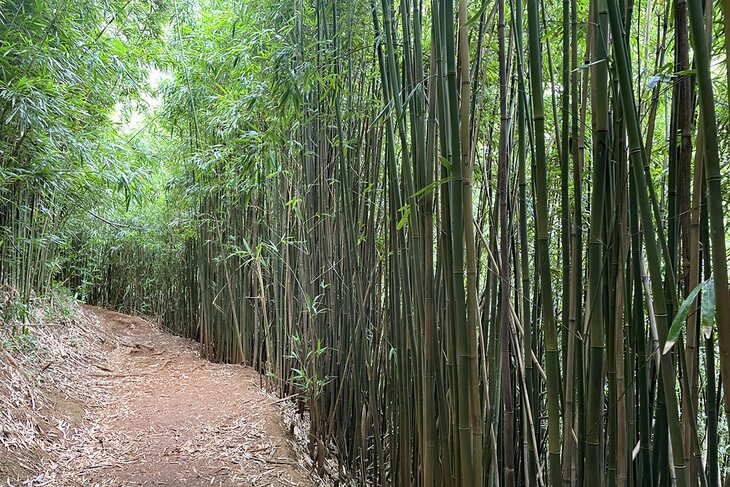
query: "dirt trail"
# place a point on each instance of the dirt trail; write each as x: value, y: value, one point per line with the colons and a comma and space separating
x: 166, y: 417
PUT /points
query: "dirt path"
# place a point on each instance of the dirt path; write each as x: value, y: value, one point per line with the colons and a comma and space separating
x: 166, y: 417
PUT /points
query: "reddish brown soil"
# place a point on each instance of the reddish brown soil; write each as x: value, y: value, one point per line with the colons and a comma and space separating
x: 166, y: 417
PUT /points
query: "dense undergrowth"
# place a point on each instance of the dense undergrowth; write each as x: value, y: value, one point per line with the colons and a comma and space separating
x: 460, y: 246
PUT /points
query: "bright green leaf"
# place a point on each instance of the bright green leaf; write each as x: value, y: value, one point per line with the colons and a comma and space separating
x: 404, y: 218
x: 707, y: 308
x: 676, y: 329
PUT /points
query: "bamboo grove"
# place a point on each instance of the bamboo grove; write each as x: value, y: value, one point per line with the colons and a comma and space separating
x: 63, y: 67
x: 477, y: 243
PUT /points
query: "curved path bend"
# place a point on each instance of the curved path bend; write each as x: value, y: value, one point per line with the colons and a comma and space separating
x: 165, y: 417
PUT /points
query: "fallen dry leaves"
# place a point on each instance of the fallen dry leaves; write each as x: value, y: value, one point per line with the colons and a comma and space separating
x: 107, y: 399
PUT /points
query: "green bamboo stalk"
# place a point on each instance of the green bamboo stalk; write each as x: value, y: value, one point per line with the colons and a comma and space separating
x: 524, y: 266
x: 504, y: 251
x: 595, y: 258
x: 653, y: 253
x: 714, y: 187
x: 543, y: 256
x: 460, y: 323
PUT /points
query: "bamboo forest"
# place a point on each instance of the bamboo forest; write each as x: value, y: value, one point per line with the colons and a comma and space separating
x: 470, y: 242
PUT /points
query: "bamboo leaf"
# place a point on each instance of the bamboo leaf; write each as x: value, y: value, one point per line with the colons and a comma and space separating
x: 588, y: 65
x: 392, y: 353
x: 445, y: 162
x: 680, y: 317
x: 707, y: 308
x: 477, y: 15
x: 430, y: 187
x: 404, y: 218
x: 656, y: 79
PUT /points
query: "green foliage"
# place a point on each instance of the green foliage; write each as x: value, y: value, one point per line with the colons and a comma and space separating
x: 63, y: 69
x: 679, y: 319
x: 304, y: 375
x: 708, y: 307
x: 22, y: 343
x: 707, y: 312
x: 12, y: 308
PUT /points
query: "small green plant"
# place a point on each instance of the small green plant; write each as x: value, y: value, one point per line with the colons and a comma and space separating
x: 61, y: 303
x: 305, y: 376
x: 12, y: 308
x: 23, y: 342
